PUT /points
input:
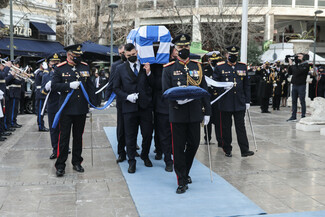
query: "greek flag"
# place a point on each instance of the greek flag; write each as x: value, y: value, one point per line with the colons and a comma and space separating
x: 143, y: 39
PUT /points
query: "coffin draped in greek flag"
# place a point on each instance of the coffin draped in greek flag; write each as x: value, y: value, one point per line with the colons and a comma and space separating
x: 144, y: 37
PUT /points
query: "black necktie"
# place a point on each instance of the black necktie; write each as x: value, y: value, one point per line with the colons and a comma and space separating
x: 135, y: 69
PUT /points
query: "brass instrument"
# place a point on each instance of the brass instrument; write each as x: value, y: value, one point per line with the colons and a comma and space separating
x: 20, y: 73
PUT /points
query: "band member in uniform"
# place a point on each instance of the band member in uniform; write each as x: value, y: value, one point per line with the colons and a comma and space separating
x: 13, y: 82
x: 235, y: 102
x: 132, y: 86
x: 277, y: 86
x: 52, y: 103
x: 39, y: 97
x: 67, y: 76
x: 265, y: 86
x: 214, y: 58
x: 185, y: 115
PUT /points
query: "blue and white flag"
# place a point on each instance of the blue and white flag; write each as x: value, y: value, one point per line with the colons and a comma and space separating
x: 144, y: 37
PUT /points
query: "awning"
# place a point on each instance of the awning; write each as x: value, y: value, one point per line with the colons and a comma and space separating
x: 27, y: 47
x: 1, y: 24
x: 43, y: 28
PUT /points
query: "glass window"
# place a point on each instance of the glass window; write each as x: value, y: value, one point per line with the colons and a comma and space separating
x: 232, y: 2
x: 321, y: 2
x: 165, y: 3
x: 281, y: 2
x: 258, y: 2
x: 185, y: 3
x: 145, y: 4
x: 208, y: 2
x: 305, y: 2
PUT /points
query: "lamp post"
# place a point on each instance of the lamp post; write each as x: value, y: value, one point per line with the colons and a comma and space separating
x: 315, y: 21
x: 112, y: 6
x: 11, y: 30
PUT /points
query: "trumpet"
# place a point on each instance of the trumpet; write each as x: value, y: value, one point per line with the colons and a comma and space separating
x: 20, y: 73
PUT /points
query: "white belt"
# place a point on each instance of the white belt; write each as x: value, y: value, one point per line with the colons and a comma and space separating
x: 2, y: 81
x: 38, y: 87
x: 15, y: 85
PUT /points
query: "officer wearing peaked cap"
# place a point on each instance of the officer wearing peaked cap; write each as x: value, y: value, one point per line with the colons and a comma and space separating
x: 235, y: 102
x: 185, y: 115
x: 67, y: 77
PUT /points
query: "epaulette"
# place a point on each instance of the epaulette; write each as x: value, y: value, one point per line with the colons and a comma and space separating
x: 220, y: 63
x: 61, y: 64
x: 242, y: 63
x: 169, y: 64
x: 196, y: 61
x: 84, y: 63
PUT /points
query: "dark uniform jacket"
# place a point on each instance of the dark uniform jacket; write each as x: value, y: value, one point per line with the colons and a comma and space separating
x: 65, y: 73
x: 266, y: 83
x: 14, y: 86
x: 208, y: 71
x: 109, y: 88
x: 38, y: 84
x: 160, y: 105
x: 3, y: 75
x: 175, y: 74
x: 126, y: 82
x: 54, y: 98
x: 239, y: 95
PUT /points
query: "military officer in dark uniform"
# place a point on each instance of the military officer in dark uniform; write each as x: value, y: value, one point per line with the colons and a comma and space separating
x: 185, y: 115
x: 52, y: 102
x: 67, y: 76
x: 215, y: 119
x: 13, y: 82
x: 235, y: 102
x: 321, y: 82
x: 39, y: 97
x: 265, y: 86
x: 277, y: 86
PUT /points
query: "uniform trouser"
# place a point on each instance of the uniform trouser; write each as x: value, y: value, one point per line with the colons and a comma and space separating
x: 298, y: 91
x: 22, y: 103
x: 7, y: 113
x: 120, y: 133
x: 78, y: 124
x: 2, y: 120
x: 12, y: 111
x: 239, y: 119
x: 216, y: 120
x: 165, y: 138
x: 264, y: 104
x: 40, y: 118
x: 132, y: 121
x: 184, y: 134
x: 157, y: 133
x: 276, y: 101
x: 54, y: 133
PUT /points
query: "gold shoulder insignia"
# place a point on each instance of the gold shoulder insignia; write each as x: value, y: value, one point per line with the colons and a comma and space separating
x: 169, y: 64
x: 220, y: 63
x: 61, y: 64
x: 196, y: 61
x: 84, y: 63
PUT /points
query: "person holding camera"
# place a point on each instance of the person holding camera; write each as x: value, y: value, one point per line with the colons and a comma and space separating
x: 299, y: 72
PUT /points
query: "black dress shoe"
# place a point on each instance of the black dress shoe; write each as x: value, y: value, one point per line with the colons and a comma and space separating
x: 53, y: 156
x: 246, y: 154
x: 137, y: 154
x: 158, y: 156
x: 10, y: 129
x: 147, y: 162
x: 5, y: 134
x: 181, y: 189
x: 78, y: 168
x: 44, y: 129
x: 2, y: 138
x: 60, y: 172
x: 169, y: 167
x: 189, y: 180
x: 16, y: 126
x: 132, y: 168
x: 121, y: 158
x: 228, y: 154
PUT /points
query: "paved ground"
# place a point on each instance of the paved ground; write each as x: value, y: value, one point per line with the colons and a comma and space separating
x: 286, y: 175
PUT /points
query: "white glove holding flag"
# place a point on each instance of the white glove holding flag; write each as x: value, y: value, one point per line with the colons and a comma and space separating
x: 182, y: 102
x: 74, y: 84
x: 48, y: 86
x: 45, y: 66
x: 248, y: 106
x: 132, y: 97
x: 206, y: 119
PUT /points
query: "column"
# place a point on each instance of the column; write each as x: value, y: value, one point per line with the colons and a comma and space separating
x: 269, y: 27
x: 196, y: 33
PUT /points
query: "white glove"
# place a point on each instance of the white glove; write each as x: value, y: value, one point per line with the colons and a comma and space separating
x: 248, y: 106
x: 132, y: 97
x: 1, y: 94
x: 182, y: 102
x: 289, y: 78
x: 283, y: 83
x: 45, y: 66
x: 48, y: 86
x: 274, y: 85
x: 74, y: 84
x: 206, y: 119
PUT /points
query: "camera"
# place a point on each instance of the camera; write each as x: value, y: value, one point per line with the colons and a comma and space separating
x: 294, y: 58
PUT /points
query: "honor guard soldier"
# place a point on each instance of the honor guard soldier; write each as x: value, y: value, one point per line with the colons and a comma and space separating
x: 277, y: 85
x: 265, y: 86
x: 13, y: 82
x: 39, y: 97
x: 214, y: 58
x: 185, y: 115
x: 52, y: 102
x: 235, y: 102
x: 67, y: 76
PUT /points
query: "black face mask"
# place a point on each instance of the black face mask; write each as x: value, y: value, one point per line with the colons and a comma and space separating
x: 232, y: 58
x: 278, y: 64
x: 184, y: 53
x: 267, y: 67
x: 133, y: 59
x: 123, y: 58
x: 77, y: 60
x: 214, y: 63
